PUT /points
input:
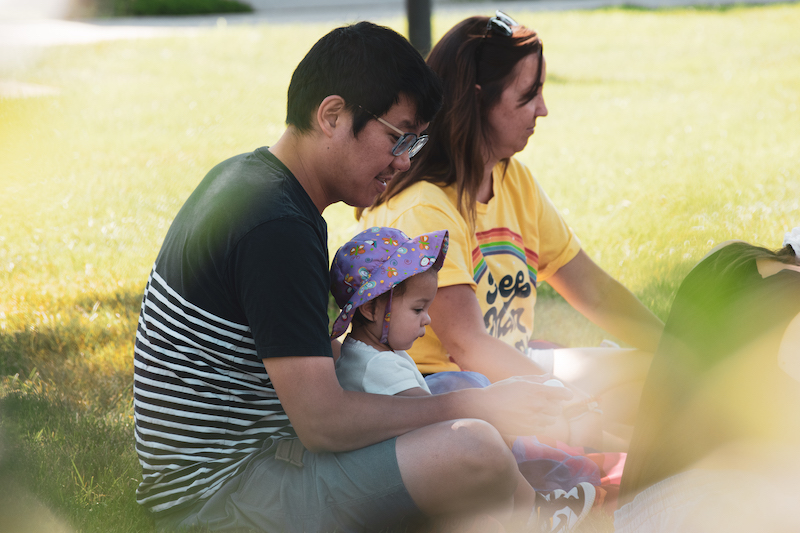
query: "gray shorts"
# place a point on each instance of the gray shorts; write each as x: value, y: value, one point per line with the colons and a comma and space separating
x: 284, y: 487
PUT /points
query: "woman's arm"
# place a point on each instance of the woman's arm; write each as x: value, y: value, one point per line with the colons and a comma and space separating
x: 457, y: 320
x: 607, y: 303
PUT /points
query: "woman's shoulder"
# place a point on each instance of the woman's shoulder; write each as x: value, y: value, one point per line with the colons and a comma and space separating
x: 516, y: 165
x: 517, y: 178
x: 427, y: 192
x: 421, y: 195
x: 515, y: 171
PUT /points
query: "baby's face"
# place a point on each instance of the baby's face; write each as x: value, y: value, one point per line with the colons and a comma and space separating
x: 410, y: 310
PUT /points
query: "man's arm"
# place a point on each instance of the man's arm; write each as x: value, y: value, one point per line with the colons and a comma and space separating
x: 416, y: 391
x: 328, y: 418
x: 607, y: 303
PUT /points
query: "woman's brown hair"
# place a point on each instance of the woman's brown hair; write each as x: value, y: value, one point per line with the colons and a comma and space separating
x: 467, y: 55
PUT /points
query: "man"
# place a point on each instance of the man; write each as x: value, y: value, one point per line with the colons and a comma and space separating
x: 240, y: 421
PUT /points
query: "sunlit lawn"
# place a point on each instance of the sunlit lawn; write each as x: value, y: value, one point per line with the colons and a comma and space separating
x: 668, y: 132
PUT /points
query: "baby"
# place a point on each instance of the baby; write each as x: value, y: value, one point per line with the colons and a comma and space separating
x: 384, y: 283
x: 380, y: 279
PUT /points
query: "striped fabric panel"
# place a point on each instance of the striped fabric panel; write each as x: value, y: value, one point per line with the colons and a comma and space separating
x: 502, y: 241
x: 202, y: 399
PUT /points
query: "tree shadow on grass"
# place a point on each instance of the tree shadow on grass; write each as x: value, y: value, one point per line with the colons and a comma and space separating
x: 86, y: 354
x: 69, y: 471
x: 66, y: 418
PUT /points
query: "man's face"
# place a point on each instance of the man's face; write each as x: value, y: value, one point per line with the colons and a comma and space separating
x: 365, y: 164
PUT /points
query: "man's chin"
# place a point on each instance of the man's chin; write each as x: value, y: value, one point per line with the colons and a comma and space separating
x: 359, y: 204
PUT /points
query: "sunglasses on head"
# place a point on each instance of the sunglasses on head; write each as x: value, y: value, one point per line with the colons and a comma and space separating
x: 501, y: 24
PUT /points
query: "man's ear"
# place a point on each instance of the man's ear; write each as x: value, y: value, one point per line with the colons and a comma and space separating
x: 329, y: 114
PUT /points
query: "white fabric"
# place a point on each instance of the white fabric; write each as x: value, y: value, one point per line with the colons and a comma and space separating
x: 363, y: 368
x: 545, y: 358
x: 702, y: 501
x: 792, y: 238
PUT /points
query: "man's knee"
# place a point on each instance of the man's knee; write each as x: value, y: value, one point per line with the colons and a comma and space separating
x: 478, y: 448
x: 456, y: 466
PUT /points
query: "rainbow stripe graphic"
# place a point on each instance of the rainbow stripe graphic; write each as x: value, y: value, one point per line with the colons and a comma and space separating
x: 502, y: 241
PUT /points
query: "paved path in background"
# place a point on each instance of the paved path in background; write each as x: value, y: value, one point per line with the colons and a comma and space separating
x: 50, y: 32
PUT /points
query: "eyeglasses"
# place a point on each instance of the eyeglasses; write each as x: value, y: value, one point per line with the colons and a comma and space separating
x: 408, y: 142
x: 501, y: 24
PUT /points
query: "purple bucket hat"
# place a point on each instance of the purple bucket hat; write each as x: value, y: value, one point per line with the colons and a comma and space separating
x: 376, y: 260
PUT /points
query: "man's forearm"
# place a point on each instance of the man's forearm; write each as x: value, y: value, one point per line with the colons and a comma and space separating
x: 328, y: 418
x: 357, y: 419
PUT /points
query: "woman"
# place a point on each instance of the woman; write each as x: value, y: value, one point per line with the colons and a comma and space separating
x: 506, y: 236
x: 715, y: 445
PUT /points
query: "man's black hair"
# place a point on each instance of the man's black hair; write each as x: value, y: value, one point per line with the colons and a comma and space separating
x: 367, y: 65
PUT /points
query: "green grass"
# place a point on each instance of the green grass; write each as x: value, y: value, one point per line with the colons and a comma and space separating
x: 669, y: 131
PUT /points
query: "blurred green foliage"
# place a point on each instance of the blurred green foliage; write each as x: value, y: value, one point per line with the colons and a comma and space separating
x: 178, y: 7
x: 142, y: 8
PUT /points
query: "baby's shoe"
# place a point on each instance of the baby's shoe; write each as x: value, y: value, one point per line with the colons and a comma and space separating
x: 561, y: 511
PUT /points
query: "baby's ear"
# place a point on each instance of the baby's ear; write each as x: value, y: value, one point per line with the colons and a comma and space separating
x: 367, y: 310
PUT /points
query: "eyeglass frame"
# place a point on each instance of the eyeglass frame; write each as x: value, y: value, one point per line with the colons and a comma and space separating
x: 414, y: 146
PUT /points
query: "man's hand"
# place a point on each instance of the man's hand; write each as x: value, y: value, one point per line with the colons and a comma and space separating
x: 520, y: 405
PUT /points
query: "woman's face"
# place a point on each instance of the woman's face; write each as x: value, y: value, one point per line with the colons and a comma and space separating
x: 512, y: 121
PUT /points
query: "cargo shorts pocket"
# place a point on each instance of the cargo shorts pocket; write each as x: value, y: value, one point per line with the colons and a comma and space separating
x: 290, y: 451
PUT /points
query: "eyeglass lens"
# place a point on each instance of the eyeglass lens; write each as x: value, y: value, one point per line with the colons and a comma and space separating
x: 411, y: 143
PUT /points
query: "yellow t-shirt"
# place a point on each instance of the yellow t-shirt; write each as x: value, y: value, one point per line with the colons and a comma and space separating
x: 520, y: 240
